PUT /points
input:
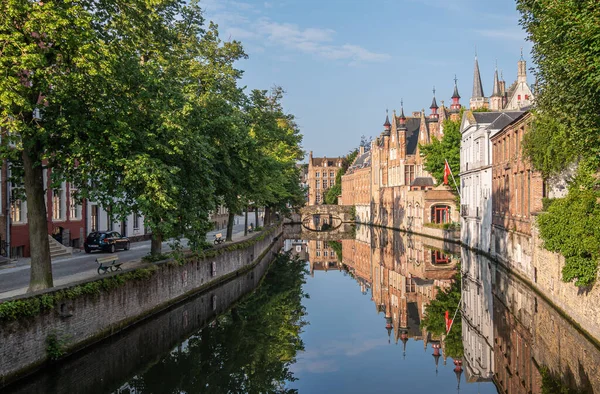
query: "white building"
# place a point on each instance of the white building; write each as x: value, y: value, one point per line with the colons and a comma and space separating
x: 477, y: 316
x: 476, y: 174
x: 99, y: 219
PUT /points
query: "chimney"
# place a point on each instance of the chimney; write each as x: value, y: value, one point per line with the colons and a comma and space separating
x: 361, y: 150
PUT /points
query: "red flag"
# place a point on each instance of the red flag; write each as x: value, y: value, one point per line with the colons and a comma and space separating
x: 446, y: 172
x: 448, y: 321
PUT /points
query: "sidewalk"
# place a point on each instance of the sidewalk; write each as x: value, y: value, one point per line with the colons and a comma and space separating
x: 23, y: 264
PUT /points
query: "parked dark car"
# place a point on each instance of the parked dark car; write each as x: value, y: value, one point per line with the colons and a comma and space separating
x: 108, y: 241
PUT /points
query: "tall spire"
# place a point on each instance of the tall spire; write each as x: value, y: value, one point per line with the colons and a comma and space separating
x: 477, y: 85
x: 496, y: 92
x: 522, y: 69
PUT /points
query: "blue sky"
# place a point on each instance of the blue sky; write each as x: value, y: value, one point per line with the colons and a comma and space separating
x: 343, y: 62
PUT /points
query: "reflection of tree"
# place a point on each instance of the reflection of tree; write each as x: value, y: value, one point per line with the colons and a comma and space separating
x: 247, y: 350
x: 434, y: 321
x: 337, y: 247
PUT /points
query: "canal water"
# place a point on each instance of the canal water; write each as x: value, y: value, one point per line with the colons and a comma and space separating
x: 359, y: 311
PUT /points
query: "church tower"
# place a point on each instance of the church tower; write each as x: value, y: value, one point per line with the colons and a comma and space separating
x: 478, y: 100
x: 496, y: 99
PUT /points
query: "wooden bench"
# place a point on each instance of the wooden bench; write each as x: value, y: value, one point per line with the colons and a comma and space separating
x: 108, y: 263
x: 218, y: 238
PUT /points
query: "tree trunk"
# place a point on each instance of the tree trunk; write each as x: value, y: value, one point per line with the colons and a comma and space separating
x: 267, y: 219
x: 246, y: 222
x: 41, y: 267
x: 230, y: 226
x: 156, y: 243
x: 256, y: 217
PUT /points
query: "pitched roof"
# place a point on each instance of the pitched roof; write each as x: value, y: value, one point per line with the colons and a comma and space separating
x: 422, y: 181
x: 412, y: 135
x: 504, y: 119
x: 477, y: 85
x: 455, y: 94
x: 486, y: 117
x: 434, y: 103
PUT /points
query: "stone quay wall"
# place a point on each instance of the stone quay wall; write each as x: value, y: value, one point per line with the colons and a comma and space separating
x: 109, y: 365
x: 524, y: 255
x: 78, y: 322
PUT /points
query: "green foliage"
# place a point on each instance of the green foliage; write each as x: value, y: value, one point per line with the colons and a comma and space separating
x: 571, y: 226
x: 337, y: 247
x: 566, y: 50
x: 139, y: 109
x: 331, y: 197
x: 353, y: 213
x: 249, y: 349
x: 551, y: 384
x: 56, y: 345
x: 434, y: 319
x: 438, y: 151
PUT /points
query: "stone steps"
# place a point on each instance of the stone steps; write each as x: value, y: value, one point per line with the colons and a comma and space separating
x: 57, y: 249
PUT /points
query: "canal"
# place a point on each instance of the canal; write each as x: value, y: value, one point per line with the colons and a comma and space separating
x: 362, y: 311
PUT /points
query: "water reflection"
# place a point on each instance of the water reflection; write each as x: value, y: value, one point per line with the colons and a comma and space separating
x: 504, y: 337
x: 375, y: 321
x: 321, y: 222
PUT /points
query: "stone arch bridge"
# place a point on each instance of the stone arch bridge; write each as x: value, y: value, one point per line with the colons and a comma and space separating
x: 344, y: 212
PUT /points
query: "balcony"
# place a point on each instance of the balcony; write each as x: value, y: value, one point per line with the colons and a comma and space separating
x: 464, y: 210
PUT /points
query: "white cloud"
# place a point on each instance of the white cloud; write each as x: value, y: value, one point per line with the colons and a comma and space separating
x: 236, y: 20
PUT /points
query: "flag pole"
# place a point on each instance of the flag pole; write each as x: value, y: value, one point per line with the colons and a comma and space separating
x: 452, y: 175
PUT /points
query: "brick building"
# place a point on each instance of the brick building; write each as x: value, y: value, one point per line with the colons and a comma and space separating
x: 321, y: 176
x: 68, y: 220
x: 517, y: 194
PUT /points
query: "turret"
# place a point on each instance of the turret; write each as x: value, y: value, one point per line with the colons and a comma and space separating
x: 387, y: 126
x: 402, y: 118
x: 455, y: 106
x: 434, y: 107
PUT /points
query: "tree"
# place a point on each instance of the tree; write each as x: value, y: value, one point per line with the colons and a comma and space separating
x: 331, y: 197
x: 434, y: 319
x: 60, y: 96
x: 448, y: 148
x: 249, y: 349
x: 566, y: 51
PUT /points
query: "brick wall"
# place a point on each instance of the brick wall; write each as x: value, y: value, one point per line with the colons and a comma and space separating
x: 90, y: 318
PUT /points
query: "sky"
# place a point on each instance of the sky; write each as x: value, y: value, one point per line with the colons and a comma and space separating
x: 344, y: 62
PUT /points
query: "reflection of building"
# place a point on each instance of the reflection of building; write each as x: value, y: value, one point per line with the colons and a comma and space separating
x: 477, y: 312
x: 297, y: 247
x: 322, y: 257
x: 404, y: 274
x: 321, y: 176
x: 530, y: 334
